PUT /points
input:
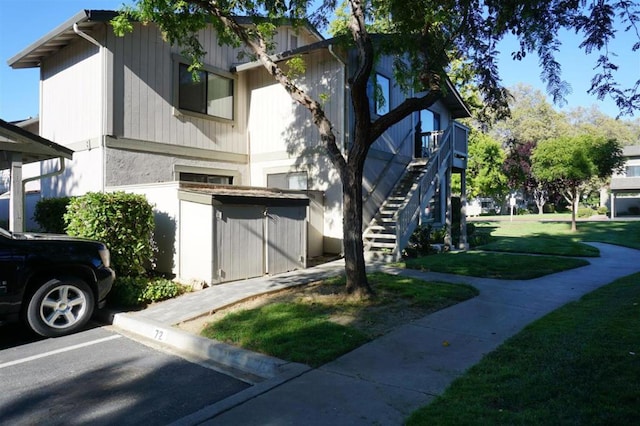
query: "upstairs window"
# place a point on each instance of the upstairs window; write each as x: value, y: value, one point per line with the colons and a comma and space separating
x: 211, y: 94
x: 379, y: 92
x: 632, y: 171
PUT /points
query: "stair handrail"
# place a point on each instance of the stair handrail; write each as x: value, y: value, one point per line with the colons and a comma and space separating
x: 372, y: 188
x: 407, y: 214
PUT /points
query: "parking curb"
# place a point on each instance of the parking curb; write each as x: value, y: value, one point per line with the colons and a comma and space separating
x: 262, y: 367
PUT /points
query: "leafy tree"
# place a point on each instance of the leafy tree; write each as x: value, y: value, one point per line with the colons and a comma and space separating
x: 485, y: 175
x: 532, y: 118
x: 575, y: 162
x: 595, y: 122
x: 429, y: 33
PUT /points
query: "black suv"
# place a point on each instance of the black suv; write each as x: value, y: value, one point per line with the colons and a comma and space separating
x: 52, y: 282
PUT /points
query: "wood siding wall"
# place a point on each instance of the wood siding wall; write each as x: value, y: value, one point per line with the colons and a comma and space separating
x: 144, y: 89
x: 71, y: 94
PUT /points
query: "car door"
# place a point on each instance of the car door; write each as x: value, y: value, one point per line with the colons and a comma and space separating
x: 10, y: 265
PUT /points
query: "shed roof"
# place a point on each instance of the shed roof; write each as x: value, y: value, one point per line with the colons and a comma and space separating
x: 32, y: 147
x: 218, y: 195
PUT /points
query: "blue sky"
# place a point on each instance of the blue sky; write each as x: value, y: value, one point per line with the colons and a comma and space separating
x: 24, y: 21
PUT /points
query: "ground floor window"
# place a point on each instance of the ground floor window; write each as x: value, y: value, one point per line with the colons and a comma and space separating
x: 205, y: 178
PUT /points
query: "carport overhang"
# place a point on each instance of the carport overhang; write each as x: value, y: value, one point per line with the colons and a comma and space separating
x: 18, y: 147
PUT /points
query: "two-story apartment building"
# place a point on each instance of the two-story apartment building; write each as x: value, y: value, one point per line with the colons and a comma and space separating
x: 625, y: 185
x: 232, y: 165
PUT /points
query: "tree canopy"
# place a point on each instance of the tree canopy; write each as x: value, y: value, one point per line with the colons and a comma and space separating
x: 572, y: 162
x: 425, y: 38
x: 485, y: 175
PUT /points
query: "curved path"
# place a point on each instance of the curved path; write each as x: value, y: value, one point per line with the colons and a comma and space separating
x: 384, y: 381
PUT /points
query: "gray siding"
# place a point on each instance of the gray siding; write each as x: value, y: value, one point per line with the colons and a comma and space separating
x: 71, y: 94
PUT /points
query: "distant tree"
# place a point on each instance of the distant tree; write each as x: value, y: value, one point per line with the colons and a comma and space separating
x: 485, y: 175
x: 427, y: 35
x: 532, y: 118
x: 594, y: 122
x: 573, y: 163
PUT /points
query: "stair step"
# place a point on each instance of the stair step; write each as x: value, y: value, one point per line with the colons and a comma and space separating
x: 379, y: 236
x: 386, y: 220
x: 376, y: 245
x: 385, y: 229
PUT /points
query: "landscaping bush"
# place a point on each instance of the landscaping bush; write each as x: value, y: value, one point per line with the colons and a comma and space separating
x: 49, y: 214
x: 129, y: 292
x: 603, y: 210
x: 586, y: 212
x: 419, y: 242
x: 124, y: 222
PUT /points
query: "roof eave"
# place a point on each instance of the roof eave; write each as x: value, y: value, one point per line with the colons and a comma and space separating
x: 28, y: 58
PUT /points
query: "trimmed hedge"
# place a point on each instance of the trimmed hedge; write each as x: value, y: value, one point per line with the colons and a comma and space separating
x: 49, y: 214
x: 124, y: 222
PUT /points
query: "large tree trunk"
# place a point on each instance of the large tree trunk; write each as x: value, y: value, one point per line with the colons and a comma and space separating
x: 357, y: 282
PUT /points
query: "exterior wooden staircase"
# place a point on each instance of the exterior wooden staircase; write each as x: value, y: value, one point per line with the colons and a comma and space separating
x: 387, y: 234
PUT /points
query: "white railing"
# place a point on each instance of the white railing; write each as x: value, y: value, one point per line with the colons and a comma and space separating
x: 406, y: 217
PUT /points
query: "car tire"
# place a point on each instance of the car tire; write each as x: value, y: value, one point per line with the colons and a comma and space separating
x: 60, y: 306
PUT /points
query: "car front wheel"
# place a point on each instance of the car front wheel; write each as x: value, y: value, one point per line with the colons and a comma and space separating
x: 59, y: 307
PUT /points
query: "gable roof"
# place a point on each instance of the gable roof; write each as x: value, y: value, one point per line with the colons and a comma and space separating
x: 32, y: 147
x: 59, y: 37
x: 63, y: 34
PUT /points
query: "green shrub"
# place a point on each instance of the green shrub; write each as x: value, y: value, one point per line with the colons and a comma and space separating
x: 586, y: 212
x: 129, y: 292
x: 124, y: 222
x: 49, y: 214
x: 603, y: 210
x: 159, y: 289
x: 419, y: 242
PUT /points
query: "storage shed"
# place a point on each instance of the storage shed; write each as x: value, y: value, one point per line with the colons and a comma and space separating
x: 229, y: 234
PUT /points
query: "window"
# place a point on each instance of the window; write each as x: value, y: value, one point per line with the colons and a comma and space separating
x: 632, y: 171
x: 379, y: 94
x: 204, y: 178
x: 297, y: 180
x: 293, y: 41
x: 211, y: 94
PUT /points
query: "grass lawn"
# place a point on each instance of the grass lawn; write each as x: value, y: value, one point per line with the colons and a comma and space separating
x: 317, y: 324
x: 577, y: 365
x: 493, y: 265
x: 556, y: 238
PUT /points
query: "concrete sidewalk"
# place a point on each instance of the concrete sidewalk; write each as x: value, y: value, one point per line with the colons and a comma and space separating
x: 385, y: 380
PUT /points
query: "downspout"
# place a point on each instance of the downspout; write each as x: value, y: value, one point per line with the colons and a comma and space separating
x: 103, y: 111
x: 345, y: 106
x: 58, y: 172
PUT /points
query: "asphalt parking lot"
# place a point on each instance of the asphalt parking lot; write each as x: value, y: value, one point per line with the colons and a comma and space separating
x: 99, y: 376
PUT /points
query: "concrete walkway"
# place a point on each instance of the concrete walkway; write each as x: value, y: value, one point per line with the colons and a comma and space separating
x: 383, y: 381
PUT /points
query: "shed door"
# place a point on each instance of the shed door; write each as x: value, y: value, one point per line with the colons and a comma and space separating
x: 239, y: 242
x: 286, y: 238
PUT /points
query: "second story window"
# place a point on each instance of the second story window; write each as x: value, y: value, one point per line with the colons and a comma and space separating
x: 632, y: 171
x: 379, y: 92
x: 210, y: 94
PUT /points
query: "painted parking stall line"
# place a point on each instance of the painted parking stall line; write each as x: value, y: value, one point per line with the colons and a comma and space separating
x: 58, y: 351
